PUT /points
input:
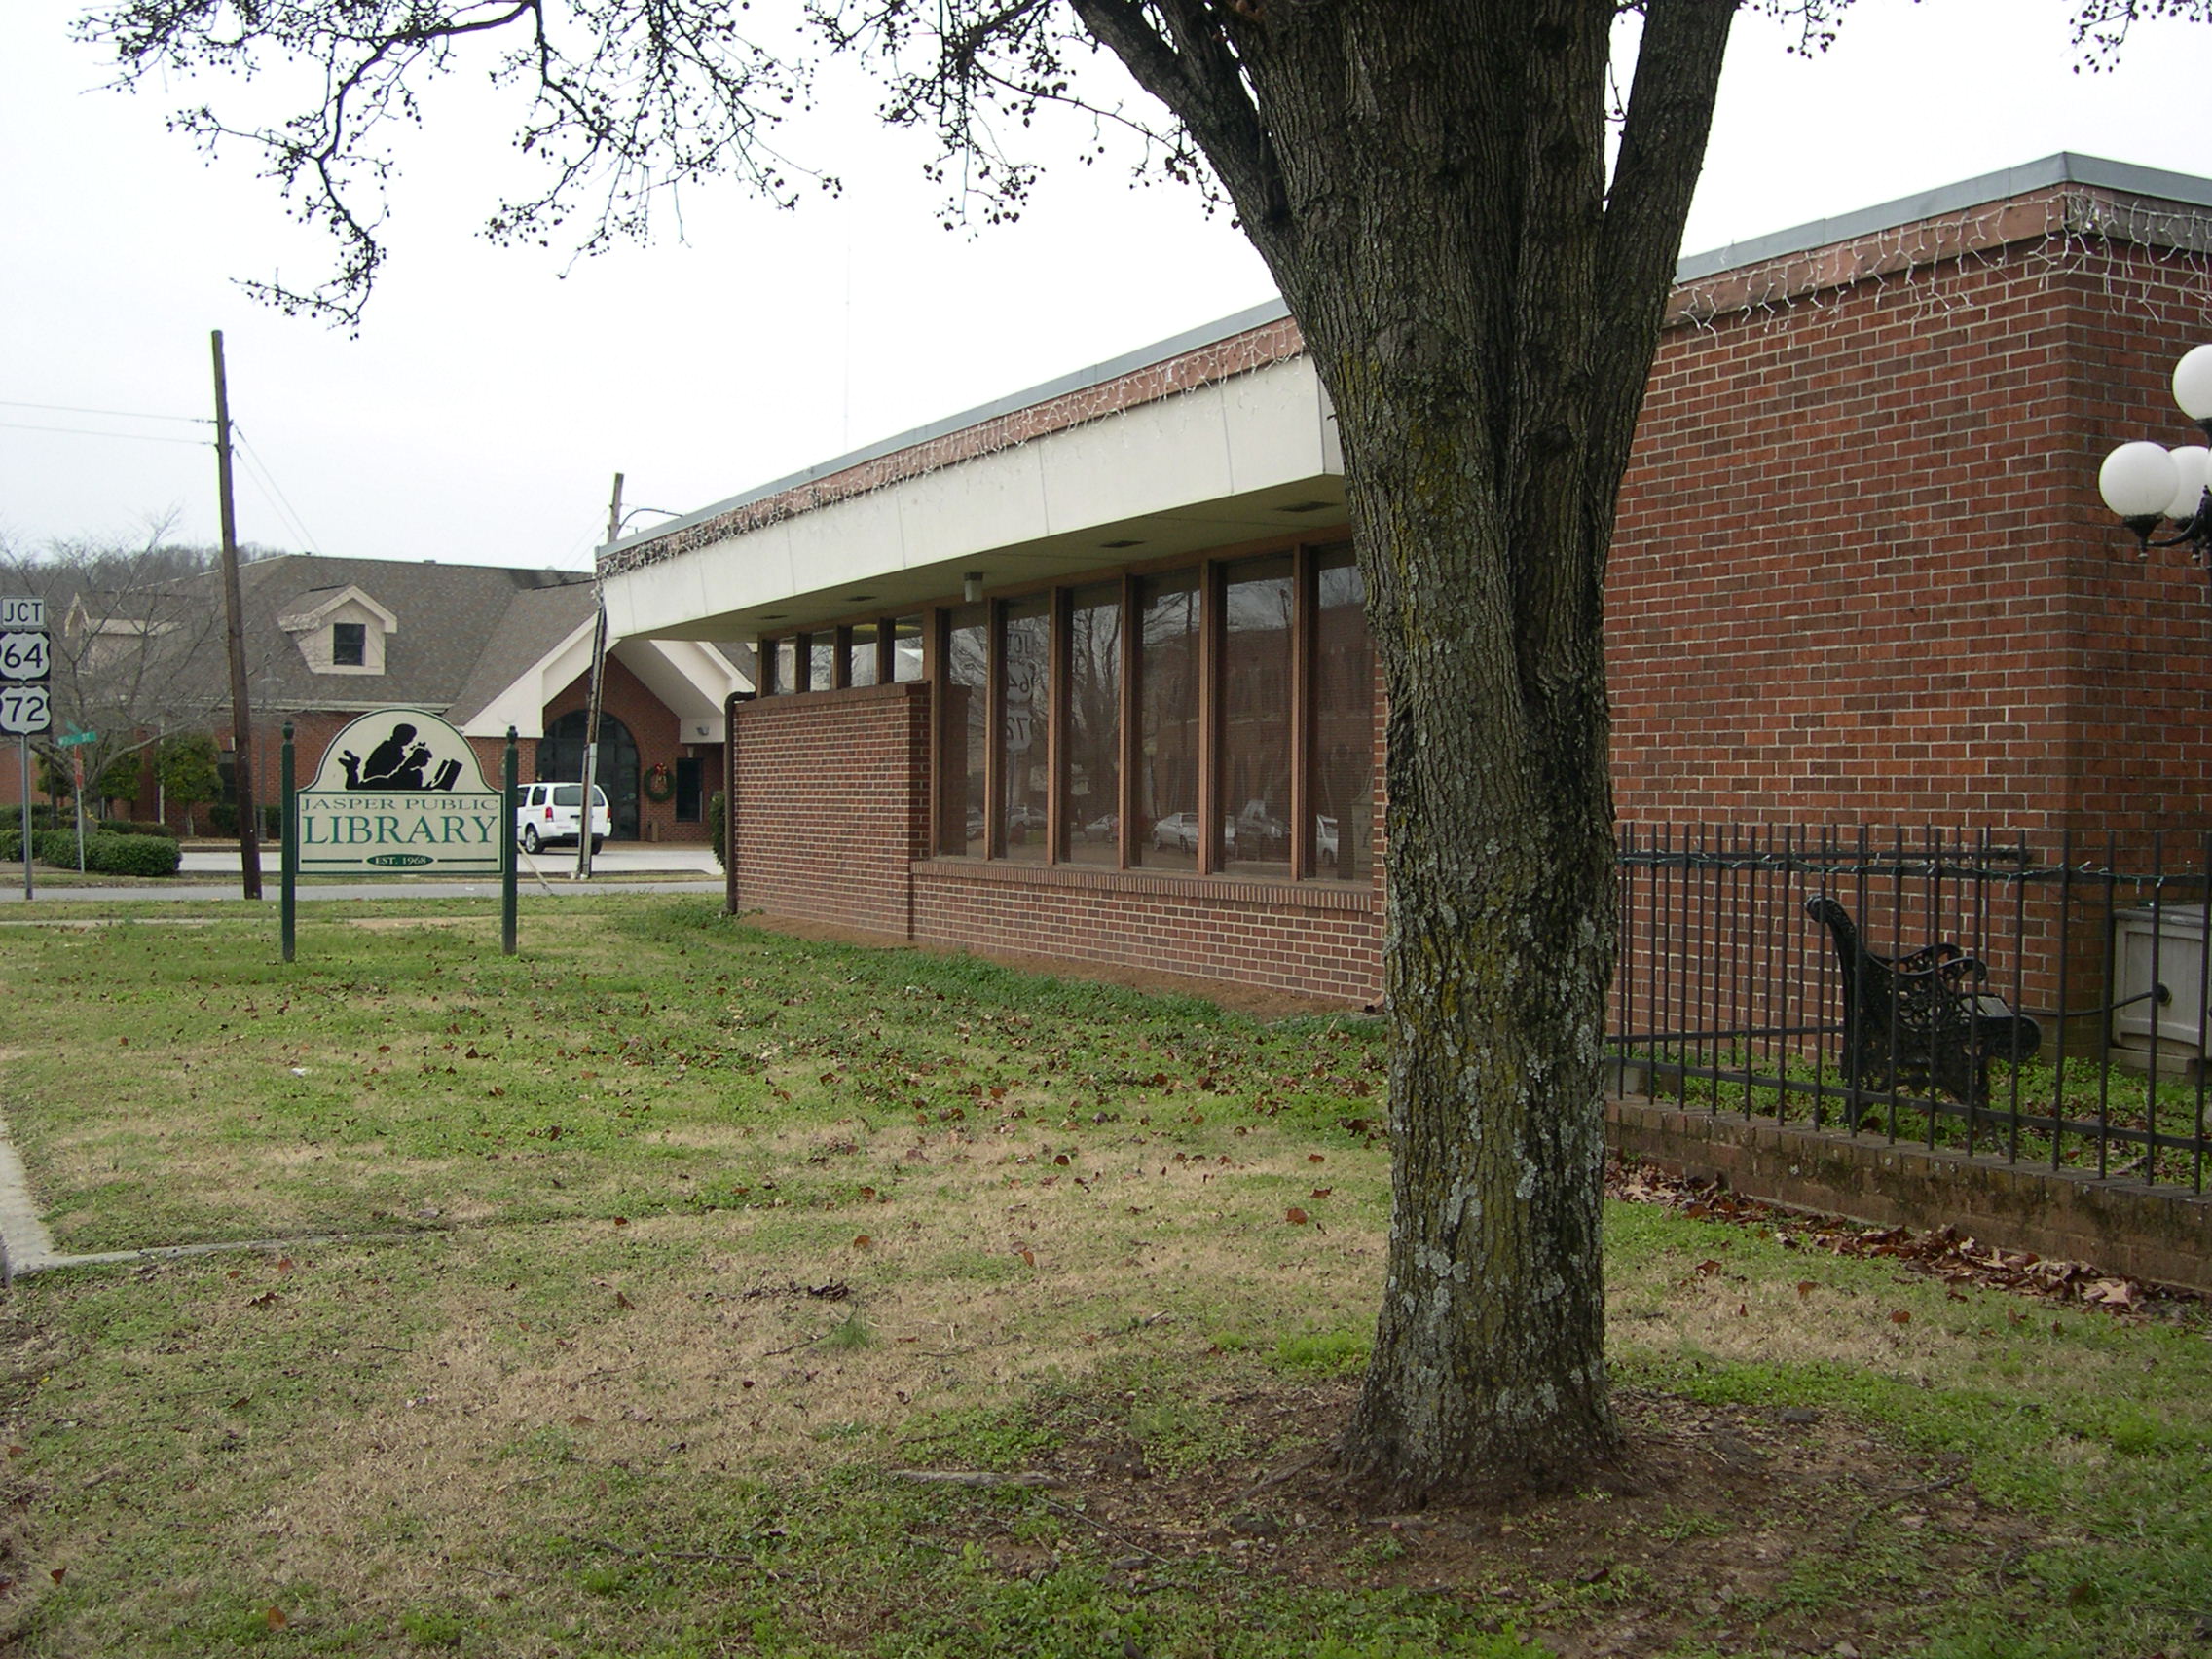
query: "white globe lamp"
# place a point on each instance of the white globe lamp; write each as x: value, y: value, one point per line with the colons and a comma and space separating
x: 2193, y: 386
x: 2138, y: 480
x: 2144, y: 483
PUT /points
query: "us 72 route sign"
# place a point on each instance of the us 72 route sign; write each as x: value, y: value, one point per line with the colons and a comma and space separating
x: 23, y: 711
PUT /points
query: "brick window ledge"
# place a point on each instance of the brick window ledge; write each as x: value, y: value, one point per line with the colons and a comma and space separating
x: 1235, y: 889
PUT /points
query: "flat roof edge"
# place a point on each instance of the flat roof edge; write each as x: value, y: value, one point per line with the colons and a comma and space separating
x: 1079, y: 380
x: 2065, y: 167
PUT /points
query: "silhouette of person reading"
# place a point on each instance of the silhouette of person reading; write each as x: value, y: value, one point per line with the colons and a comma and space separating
x: 392, y: 764
x: 398, y: 762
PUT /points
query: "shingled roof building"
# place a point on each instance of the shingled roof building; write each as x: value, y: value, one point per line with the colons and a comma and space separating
x: 485, y: 647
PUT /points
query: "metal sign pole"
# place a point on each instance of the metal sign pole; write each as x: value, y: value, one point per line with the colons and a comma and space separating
x: 288, y: 852
x: 508, y: 855
x: 25, y: 743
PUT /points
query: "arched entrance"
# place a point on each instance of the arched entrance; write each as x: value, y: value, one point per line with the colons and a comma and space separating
x: 561, y: 759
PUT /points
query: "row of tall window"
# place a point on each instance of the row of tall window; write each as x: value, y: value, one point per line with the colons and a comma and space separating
x: 1218, y: 717
x: 867, y: 653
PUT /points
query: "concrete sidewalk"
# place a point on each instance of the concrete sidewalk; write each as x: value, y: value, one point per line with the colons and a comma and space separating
x: 555, y: 863
x: 551, y: 875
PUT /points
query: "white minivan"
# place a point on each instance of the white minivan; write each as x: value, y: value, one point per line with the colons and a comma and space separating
x: 549, y: 812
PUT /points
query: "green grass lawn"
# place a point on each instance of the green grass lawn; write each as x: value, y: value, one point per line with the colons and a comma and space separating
x: 688, y: 1238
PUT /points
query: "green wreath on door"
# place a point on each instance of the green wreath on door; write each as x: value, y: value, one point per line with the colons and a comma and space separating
x: 660, y: 782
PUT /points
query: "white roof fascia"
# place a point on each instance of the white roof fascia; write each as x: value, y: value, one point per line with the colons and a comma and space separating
x: 1219, y: 461
x: 522, y: 703
x: 689, y: 675
x: 300, y: 621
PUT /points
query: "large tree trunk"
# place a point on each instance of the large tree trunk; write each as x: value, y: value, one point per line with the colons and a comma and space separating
x: 1426, y: 179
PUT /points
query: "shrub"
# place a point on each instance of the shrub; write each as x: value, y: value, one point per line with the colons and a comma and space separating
x: 105, y: 852
x: 132, y: 855
x: 10, y: 846
x: 273, y: 824
x: 715, y: 807
x: 136, y: 826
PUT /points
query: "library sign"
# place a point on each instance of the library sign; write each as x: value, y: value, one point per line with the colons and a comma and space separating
x: 400, y: 789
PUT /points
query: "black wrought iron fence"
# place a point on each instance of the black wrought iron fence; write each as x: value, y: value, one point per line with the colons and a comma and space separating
x: 2040, y: 1001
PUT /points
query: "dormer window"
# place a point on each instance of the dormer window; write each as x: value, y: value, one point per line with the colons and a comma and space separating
x: 340, y: 632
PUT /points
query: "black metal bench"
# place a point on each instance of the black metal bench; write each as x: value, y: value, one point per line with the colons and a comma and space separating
x: 1920, y: 1021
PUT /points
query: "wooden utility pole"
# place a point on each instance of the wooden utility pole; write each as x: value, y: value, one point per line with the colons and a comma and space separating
x: 242, y: 711
x: 592, y: 695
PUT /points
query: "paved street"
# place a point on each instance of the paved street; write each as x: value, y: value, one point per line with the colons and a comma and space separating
x: 639, y: 867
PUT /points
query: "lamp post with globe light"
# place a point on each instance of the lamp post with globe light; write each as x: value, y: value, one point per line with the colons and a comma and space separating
x: 2147, y: 484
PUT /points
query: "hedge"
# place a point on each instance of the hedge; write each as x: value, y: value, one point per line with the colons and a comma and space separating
x: 715, y: 807
x: 132, y: 855
x: 135, y: 827
x: 104, y: 852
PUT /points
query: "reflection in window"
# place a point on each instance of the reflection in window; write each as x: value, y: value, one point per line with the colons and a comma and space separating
x: 1024, y: 763
x: 1094, y: 723
x: 350, y: 645
x: 780, y: 665
x: 822, y: 662
x: 1255, y: 797
x: 863, y: 656
x: 907, y: 650
x: 966, y: 728
x: 1167, y: 722
x: 1343, y: 725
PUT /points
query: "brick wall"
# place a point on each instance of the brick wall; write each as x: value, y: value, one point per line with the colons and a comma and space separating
x: 2156, y: 1234
x: 1311, y: 937
x: 832, y: 825
x: 1863, y: 573
x: 830, y: 804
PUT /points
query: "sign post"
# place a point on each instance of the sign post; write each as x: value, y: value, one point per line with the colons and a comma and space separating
x: 508, y: 848
x: 288, y: 852
x: 25, y: 710
x: 74, y: 742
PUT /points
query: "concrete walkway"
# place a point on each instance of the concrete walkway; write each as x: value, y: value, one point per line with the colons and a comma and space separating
x: 628, y: 866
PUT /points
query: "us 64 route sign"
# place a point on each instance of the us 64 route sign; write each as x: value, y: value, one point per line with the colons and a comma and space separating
x: 24, y: 655
x: 23, y: 711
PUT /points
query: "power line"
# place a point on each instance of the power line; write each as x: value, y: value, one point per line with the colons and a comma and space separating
x: 87, y: 432
x: 266, y: 475
x: 118, y: 414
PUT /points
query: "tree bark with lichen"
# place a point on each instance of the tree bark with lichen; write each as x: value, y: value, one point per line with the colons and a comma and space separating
x: 1427, y: 181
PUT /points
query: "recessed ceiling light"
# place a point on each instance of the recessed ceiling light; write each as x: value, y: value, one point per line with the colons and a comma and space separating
x: 857, y: 597
x: 776, y: 617
x: 1124, y: 542
x: 1306, y: 507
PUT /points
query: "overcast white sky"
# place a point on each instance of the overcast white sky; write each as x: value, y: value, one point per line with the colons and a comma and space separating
x: 488, y: 400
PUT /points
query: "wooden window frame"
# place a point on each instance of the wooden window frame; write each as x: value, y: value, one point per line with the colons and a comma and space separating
x: 1212, y: 732
x: 947, y: 802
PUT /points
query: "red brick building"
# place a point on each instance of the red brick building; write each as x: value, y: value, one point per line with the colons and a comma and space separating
x: 486, y: 648
x: 1085, y: 673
